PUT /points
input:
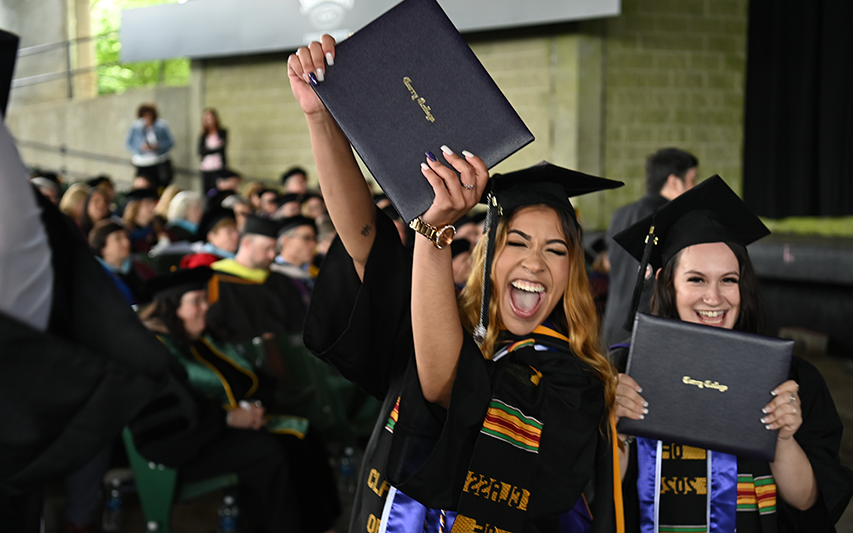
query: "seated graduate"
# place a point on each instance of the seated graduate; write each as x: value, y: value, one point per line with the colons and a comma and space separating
x: 247, y: 299
x: 218, y: 230
x: 111, y: 245
x: 704, y: 275
x: 139, y: 219
x: 506, y: 433
x: 299, y: 482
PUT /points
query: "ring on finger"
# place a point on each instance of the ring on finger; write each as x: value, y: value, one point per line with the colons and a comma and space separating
x: 467, y: 186
x: 792, y: 398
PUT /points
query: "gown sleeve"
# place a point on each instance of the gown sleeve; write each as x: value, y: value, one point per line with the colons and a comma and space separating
x: 364, y: 329
x: 820, y: 438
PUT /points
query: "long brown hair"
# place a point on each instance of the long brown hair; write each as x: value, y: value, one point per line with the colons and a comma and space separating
x: 216, y: 125
x: 749, y: 317
x: 575, y: 316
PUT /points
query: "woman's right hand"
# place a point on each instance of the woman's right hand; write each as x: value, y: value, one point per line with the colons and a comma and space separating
x: 307, y: 66
x: 629, y: 403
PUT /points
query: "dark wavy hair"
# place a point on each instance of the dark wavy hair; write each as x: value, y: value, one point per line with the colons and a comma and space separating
x: 165, y: 310
x: 750, y: 315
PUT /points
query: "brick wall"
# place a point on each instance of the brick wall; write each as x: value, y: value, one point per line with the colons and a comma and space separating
x: 675, y: 76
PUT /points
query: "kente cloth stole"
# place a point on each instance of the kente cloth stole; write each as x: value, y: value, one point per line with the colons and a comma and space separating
x: 722, y: 491
x: 496, y: 492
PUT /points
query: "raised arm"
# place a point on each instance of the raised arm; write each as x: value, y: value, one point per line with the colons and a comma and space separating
x: 436, y: 327
x: 347, y: 196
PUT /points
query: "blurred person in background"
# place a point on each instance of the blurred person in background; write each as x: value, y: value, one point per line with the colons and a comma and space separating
x: 211, y: 148
x: 139, y: 219
x: 252, y: 193
x: 295, y: 180
x: 184, y: 215
x: 95, y: 208
x: 313, y: 205
x: 218, y: 228
x: 150, y: 140
x: 111, y: 245
x: 74, y: 200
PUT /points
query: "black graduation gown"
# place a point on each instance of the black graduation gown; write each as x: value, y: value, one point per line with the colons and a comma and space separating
x: 364, y: 330
x: 66, y: 393
x: 242, y: 309
x: 820, y: 438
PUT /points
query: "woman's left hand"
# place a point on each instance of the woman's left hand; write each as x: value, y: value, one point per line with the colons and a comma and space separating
x: 455, y: 194
x: 784, y: 412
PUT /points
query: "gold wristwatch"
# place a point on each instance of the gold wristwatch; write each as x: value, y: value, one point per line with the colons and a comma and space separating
x: 440, y: 237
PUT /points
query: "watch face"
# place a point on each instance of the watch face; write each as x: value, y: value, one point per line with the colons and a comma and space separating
x: 445, y: 236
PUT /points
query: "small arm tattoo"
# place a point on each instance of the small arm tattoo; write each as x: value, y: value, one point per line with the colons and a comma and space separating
x: 365, y: 231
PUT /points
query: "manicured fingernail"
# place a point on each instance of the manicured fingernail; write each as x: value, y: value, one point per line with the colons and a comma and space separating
x: 466, y: 153
x: 645, y: 403
x: 639, y: 389
x: 313, y: 79
x: 767, y: 426
x: 424, y: 166
x: 773, y: 392
x: 763, y: 420
x: 305, y: 77
x: 763, y: 410
x: 321, y: 76
x: 330, y: 60
x: 431, y: 156
x: 645, y: 411
x: 642, y: 417
x: 446, y: 150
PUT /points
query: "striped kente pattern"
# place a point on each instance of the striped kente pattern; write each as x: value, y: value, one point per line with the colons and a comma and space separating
x: 510, y: 425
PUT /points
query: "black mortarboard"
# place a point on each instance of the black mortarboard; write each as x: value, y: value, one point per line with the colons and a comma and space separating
x: 8, y: 54
x: 459, y: 246
x: 541, y: 184
x: 287, y: 198
x: 260, y: 226
x: 141, y: 194
x: 709, y: 212
x: 176, y: 283
x: 211, y: 218
x: 97, y: 180
x: 289, y: 223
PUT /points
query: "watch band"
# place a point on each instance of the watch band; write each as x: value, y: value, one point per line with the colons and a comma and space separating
x: 438, y: 236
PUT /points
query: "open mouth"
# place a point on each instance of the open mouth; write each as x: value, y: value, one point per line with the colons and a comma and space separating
x: 712, y: 318
x: 526, y: 297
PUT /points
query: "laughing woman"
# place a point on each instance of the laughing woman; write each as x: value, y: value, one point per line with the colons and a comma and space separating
x: 704, y: 276
x: 506, y: 432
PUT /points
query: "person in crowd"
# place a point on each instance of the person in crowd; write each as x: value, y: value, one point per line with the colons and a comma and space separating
x: 111, y: 245
x: 247, y: 299
x: 460, y: 251
x: 313, y: 205
x: 269, y: 203
x: 95, y: 208
x: 150, y: 141
x: 289, y: 205
x: 470, y: 227
x: 295, y: 180
x: 104, y: 182
x: 392, y: 323
x: 252, y: 194
x: 143, y: 182
x: 279, y: 461
x: 669, y: 172
x: 228, y: 180
x: 185, y: 212
x: 218, y: 228
x: 240, y: 207
x: 326, y: 234
x: 297, y: 239
x: 73, y: 201
x: 703, y: 275
x: 211, y: 148
x: 139, y: 219
x: 161, y: 210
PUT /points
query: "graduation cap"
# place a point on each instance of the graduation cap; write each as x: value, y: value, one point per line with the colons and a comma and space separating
x: 8, y: 54
x: 212, y: 217
x: 287, y: 198
x: 256, y: 225
x: 541, y: 184
x: 709, y: 212
x: 97, y: 180
x: 176, y: 283
x: 141, y: 194
x: 287, y: 224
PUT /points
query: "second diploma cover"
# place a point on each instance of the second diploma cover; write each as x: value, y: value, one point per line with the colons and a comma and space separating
x: 705, y: 385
